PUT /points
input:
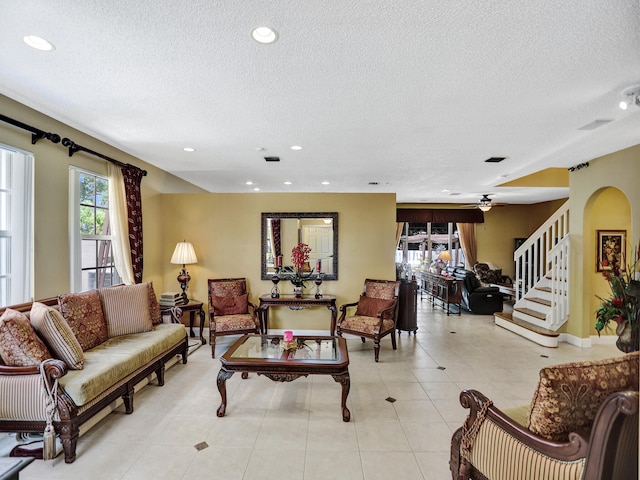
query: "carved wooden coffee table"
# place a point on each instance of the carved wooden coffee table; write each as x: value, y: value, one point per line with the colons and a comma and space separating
x: 267, y: 355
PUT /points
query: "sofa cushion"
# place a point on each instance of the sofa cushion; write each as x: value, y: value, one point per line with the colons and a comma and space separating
x: 56, y: 332
x: 114, y: 360
x: 227, y: 323
x: 154, y: 306
x: 569, y: 395
x: 235, y: 305
x: 370, y: 307
x: 367, y: 324
x: 20, y: 346
x: 126, y: 309
x: 83, y: 313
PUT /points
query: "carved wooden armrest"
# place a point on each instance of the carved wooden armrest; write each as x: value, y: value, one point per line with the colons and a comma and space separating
x: 575, y: 448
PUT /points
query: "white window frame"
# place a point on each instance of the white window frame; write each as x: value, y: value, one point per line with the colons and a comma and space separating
x: 16, y: 228
x: 75, y: 236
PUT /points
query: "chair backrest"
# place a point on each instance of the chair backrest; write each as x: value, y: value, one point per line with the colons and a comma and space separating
x: 383, y: 289
x: 225, y: 287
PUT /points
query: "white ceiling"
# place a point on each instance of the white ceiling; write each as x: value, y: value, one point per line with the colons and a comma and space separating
x: 411, y: 94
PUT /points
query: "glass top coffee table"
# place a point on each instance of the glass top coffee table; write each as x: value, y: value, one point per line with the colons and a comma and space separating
x: 270, y: 356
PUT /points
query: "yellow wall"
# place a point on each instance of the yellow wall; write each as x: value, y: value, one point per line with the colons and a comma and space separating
x: 51, y: 205
x: 603, y: 196
x: 225, y: 230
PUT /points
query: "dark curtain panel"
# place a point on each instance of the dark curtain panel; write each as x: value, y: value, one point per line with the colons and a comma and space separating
x: 275, y: 231
x: 132, y: 180
x: 439, y: 215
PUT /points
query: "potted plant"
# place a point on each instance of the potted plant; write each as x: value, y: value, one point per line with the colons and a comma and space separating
x: 300, y: 257
x: 622, y: 308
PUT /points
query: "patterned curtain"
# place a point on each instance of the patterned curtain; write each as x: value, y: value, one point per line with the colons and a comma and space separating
x: 132, y: 180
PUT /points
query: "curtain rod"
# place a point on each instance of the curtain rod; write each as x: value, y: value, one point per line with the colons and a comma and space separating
x: 37, y: 134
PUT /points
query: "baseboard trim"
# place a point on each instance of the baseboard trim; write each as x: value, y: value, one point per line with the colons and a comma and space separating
x: 576, y: 341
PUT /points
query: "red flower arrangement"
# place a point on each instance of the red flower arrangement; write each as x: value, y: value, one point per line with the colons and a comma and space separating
x: 300, y: 256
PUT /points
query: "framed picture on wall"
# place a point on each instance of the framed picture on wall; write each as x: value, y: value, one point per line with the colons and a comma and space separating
x: 610, y: 249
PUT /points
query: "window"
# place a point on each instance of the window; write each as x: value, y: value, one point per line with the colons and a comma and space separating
x: 92, y: 264
x: 16, y: 226
x: 422, y: 242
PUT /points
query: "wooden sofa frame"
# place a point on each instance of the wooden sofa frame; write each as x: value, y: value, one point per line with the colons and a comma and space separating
x: 610, y: 450
x: 70, y: 416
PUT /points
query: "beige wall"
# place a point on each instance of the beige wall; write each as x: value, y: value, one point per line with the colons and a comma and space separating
x: 603, y: 196
x: 51, y: 205
x: 225, y: 230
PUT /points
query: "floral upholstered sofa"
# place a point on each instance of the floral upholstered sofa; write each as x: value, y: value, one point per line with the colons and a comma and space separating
x: 68, y: 359
x: 582, y: 424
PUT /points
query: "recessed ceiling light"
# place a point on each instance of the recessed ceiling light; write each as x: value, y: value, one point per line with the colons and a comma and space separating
x: 189, y: 149
x: 264, y: 35
x: 248, y: 182
x: 256, y: 189
x: 296, y: 147
x: 325, y: 183
x: 445, y: 190
x: 288, y: 182
x: 38, y: 43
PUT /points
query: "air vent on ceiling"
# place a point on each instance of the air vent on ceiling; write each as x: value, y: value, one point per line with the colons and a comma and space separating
x: 453, y: 194
x: 272, y: 159
x: 374, y: 183
x: 494, y: 159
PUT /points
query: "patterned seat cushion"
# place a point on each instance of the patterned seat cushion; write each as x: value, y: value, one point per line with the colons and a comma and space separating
x: 363, y: 324
x: 226, y: 323
x: 569, y: 395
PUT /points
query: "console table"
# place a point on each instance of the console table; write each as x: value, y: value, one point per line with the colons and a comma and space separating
x: 295, y: 303
x: 448, y: 290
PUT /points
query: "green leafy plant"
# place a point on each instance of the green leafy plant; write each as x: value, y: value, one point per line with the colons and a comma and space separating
x: 623, y: 306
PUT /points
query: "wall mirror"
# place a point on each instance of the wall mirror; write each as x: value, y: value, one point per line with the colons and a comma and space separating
x: 283, y: 231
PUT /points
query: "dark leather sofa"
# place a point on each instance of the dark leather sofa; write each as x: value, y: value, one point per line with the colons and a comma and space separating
x: 475, y: 297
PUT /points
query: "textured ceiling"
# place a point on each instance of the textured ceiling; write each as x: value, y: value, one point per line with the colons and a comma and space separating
x: 413, y: 95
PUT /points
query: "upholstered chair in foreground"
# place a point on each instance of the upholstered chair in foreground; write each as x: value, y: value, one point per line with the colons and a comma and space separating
x: 230, y: 311
x: 582, y: 424
x: 376, y: 313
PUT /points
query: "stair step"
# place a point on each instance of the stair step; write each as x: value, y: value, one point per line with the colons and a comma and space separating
x: 533, y: 313
x: 539, y: 335
x: 539, y: 300
x: 543, y: 289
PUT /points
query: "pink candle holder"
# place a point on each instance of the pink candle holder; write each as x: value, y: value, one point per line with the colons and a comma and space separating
x: 288, y: 336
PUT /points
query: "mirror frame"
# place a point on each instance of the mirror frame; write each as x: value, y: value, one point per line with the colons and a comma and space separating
x: 263, y: 248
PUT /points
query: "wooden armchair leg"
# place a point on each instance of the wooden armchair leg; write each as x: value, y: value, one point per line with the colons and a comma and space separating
x: 393, y: 340
x: 376, y: 348
x: 212, y: 341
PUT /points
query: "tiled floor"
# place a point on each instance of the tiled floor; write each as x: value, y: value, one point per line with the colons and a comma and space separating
x: 294, y: 430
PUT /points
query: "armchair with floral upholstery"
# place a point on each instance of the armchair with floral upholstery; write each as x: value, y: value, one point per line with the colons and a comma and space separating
x: 582, y: 424
x: 230, y: 311
x: 376, y: 313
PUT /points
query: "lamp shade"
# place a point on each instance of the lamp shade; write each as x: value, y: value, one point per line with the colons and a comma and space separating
x: 445, y: 255
x: 184, y: 254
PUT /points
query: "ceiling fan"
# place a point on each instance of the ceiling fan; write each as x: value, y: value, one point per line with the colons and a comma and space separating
x: 485, y: 204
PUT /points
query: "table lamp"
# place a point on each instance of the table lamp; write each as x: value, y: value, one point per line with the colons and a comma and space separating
x: 184, y: 254
x: 446, y: 257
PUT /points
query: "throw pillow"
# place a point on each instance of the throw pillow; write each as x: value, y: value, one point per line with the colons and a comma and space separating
x: 230, y: 305
x: 126, y: 309
x: 569, y: 395
x: 19, y: 343
x: 370, y: 307
x: 154, y: 306
x: 56, y: 332
x: 83, y: 313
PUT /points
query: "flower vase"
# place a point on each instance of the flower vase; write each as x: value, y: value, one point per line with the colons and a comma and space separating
x: 628, y: 339
x: 297, y: 290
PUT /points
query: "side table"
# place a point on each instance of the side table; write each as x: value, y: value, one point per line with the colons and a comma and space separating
x: 193, y: 307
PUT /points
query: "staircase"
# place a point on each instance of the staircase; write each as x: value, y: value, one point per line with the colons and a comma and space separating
x: 541, y: 283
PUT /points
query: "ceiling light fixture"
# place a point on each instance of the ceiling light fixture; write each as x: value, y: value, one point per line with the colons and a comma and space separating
x: 485, y: 203
x: 631, y: 96
x: 287, y: 182
x: 264, y: 35
x: 296, y: 147
x: 38, y: 43
x: 325, y: 183
x: 248, y: 182
x: 189, y: 149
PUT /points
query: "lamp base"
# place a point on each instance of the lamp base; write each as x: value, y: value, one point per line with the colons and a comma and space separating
x: 183, y: 279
